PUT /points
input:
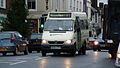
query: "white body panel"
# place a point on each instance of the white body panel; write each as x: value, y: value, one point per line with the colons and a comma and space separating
x: 68, y: 35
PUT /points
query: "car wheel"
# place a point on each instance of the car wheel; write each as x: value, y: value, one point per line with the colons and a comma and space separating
x: 4, y: 54
x: 26, y: 51
x: 99, y: 49
x: 84, y: 50
x: 56, y: 53
x: 80, y: 52
x: 43, y: 53
x: 38, y: 51
x: 30, y: 51
x: 73, y: 53
x: 16, y: 51
x: 94, y: 49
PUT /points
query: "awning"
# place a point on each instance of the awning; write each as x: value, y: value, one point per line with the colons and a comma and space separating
x: 34, y: 16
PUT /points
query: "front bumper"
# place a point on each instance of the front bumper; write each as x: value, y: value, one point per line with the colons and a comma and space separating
x: 34, y: 46
x: 58, y: 48
x: 7, y: 51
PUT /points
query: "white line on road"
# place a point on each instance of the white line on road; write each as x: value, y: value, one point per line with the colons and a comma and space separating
x: 4, y: 62
x: 17, y: 62
x: 41, y: 58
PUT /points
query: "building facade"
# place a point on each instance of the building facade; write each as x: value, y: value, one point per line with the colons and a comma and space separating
x: 66, y: 5
x: 36, y: 8
x: 39, y: 7
x: 4, y: 5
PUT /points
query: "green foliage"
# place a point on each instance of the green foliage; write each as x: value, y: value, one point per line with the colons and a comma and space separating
x: 16, y: 16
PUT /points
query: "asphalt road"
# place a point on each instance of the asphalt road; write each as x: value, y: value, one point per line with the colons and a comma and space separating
x: 35, y: 60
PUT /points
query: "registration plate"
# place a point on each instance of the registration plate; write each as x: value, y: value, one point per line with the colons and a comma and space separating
x: 56, y: 47
x: 3, y: 49
x: 102, y: 45
x: 36, y: 43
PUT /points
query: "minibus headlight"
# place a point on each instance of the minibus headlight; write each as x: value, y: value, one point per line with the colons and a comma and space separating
x: 68, y: 41
x: 44, y: 41
x: 118, y: 55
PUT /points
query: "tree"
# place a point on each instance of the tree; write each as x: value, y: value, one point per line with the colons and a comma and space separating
x: 16, y: 16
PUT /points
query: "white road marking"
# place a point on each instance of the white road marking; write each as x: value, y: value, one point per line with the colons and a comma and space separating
x: 27, y: 58
x: 17, y: 62
x: 1, y: 60
x: 21, y: 60
x: 41, y: 58
x: 4, y: 62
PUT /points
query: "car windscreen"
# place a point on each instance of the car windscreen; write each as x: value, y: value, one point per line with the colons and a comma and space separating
x: 36, y: 36
x: 5, y: 36
x: 59, y: 25
x: 100, y: 35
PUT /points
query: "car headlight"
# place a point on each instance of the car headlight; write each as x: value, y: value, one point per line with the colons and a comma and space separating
x: 96, y: 43
x: 68, y: 41
x: 24, y: 44
x: 109, y: 41
x: 44, y: 41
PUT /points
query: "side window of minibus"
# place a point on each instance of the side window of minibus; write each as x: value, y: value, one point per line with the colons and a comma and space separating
x: 77, y: 24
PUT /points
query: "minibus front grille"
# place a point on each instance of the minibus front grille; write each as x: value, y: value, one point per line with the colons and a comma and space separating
x: 55, y: 42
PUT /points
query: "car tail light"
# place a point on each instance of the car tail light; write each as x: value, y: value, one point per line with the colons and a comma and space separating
x: 12, y: 38
x: 118, y: 55
x: 96, y: 42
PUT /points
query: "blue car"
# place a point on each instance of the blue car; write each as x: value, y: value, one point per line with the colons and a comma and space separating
x: 35, y: 42
x: 11, y: 41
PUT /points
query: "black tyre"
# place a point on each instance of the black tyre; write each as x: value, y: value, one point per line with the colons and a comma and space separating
x: 16, y: 51
x: 4, y: 54
x: 56, y: 53
x: 99, y: 49
x: 43, y: 53
x: 84, y: 48
x: 94, y: 49
x: 84, y: 51
x: 38, y: 51
x: 113, y: 55
x: 80, y: 52
x: 73, y: 53
x: 26, y: 51
x: 30, y: 51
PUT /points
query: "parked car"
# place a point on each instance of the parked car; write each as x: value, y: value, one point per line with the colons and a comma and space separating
x: 117, y: 63
x: 91, y: 42
x: 35, y: 42
x: 97, y: 43
x: 11, y: 41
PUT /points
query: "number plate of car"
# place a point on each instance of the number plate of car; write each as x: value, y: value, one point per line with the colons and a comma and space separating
x: 36, y: 43
x: 3, y: 49
x: 55, y: 47
x: 102, y: 45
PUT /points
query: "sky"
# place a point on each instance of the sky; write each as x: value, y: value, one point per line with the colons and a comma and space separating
x: 104, y: 1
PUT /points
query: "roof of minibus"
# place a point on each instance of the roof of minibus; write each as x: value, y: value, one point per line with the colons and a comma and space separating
x: 82, y: 15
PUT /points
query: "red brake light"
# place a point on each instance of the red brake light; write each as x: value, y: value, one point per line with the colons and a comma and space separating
x: 12, y: 38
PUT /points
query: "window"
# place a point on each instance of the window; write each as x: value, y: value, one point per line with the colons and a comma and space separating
x: 32, y: 4
x: 46, y: 4
x: 2, y: 3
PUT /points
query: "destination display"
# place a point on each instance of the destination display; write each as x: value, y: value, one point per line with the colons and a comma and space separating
x: 60, y: 15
